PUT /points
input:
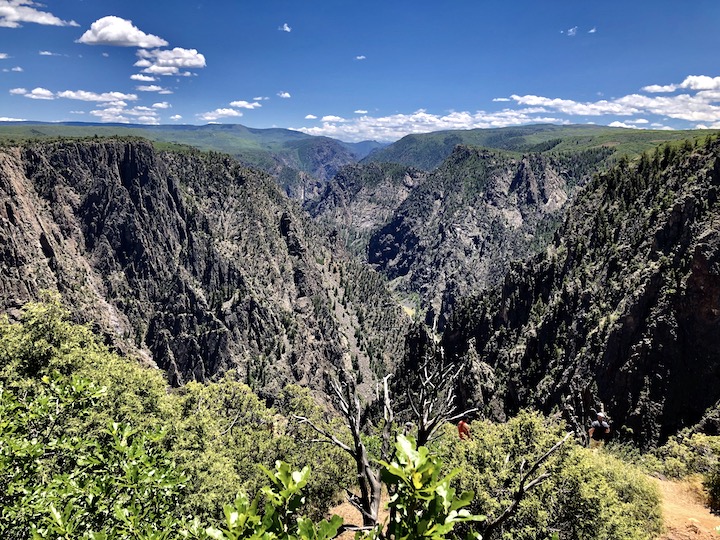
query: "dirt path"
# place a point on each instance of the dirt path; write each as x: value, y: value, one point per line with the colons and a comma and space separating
x: 685, y: 515
x: 684, y: 512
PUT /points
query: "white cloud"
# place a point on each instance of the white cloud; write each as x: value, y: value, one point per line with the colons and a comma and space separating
x: 622, y: 125
x: 310, y: 117
x: 638, y: 121
x: 360, y: 111
x: 393, y: 127
x: 261, y: 98
x: 37, y: 93
x: 571, y: 107
x: 48, y: 53
x: 149, y: 88
x: 3, y: 56
x: 117, y: 111
x: 142, y: 78
x: 592, y: 30
x: 77, y: 112
x: 572, y: 31
x: 176, y: 117
x: 659, y: 88
x: 501, y: 99
x: 162, y: 105
x: 84, y: 95
x: 245, y: 104
x: 8, y: 119
x: 701, y: 82
x: 360, y: 57
x: 17, y: 69
x: 18, y: 91
x: 219, y: 113
x: 332, y: 118
x: 119, y: 32
x: 165, y: 91
x: 284, y: 95
x: 15, y: 12
x: 285, y: 28
x: 169, y: 61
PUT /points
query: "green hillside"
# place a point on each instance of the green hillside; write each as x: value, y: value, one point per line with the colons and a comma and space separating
x: 427, y: 151
x: 269, y: 149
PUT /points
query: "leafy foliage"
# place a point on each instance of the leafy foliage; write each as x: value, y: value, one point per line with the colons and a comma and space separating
x: 586, y: 495
x: 423, y: 505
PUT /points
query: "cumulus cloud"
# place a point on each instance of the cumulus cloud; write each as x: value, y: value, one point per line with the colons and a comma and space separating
x: 8, y: 119
x: 3, y: 56
x: 701, y: 82
x: 169, y: 61
x: 699, y: 103
x: 501, y: 99
x: 245, y: 104
x: 15, y: 12
x: 17, y: 69
x: 119, y: 32
x: 393, y: 127
x: 149, y: 88
x: 35, y: 93
x: 48, y: 53
x: 161, y: 105
x: 310, y: 117
x: 622, y: 125
x: 219, y: 113
x: 284, y: 95
x: 176, y: 117
x: 572, y: 31
x: 118, y: 111
x: 593, y: 30
x: 360, y: 111
x: 360, y: 57
x: 285, y: 28
x: 659, y: 88
x: 260, y: 98
x: 332, y: 118
x: 84, y: 95
x: 142, y: 78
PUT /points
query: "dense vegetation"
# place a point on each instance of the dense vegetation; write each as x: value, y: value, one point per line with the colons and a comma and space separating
x: 95, y: 446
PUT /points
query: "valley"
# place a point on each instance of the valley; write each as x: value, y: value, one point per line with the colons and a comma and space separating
x: 559, y: 270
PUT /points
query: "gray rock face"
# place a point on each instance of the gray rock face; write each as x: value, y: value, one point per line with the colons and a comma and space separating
x: 456, y: 233
x: 192, y: 261
x: 361, y: 199
x: 622, y: 309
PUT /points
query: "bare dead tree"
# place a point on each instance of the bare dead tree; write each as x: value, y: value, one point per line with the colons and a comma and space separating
x: 528, y: 481
x: 368, y: 476
x: 433, y: 400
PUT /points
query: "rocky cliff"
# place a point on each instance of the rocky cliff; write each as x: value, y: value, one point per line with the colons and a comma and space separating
x: 458, y: 230
x: 191, y: 260
x: 623, y: 308
x: 360, y: 199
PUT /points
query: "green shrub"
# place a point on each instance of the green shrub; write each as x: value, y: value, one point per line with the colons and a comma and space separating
x: 712, y: 484
x: 587, y: 494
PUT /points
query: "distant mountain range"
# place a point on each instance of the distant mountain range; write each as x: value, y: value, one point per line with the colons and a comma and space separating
x: 301, y: 161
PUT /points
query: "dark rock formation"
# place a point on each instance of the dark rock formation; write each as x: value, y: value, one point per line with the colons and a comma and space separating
x: 193, y: 261
x: 623, y: 308
x: 457, y: 232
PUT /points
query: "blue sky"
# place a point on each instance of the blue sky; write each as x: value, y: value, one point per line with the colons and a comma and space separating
x: 362, y: 70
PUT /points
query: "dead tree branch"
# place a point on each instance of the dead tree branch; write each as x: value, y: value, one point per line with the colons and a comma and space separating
x: 526, y: 484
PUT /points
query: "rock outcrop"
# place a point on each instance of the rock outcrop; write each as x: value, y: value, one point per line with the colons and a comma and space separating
x: 457, y: 231
x: 192, y: 261
x: 623, y: 308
